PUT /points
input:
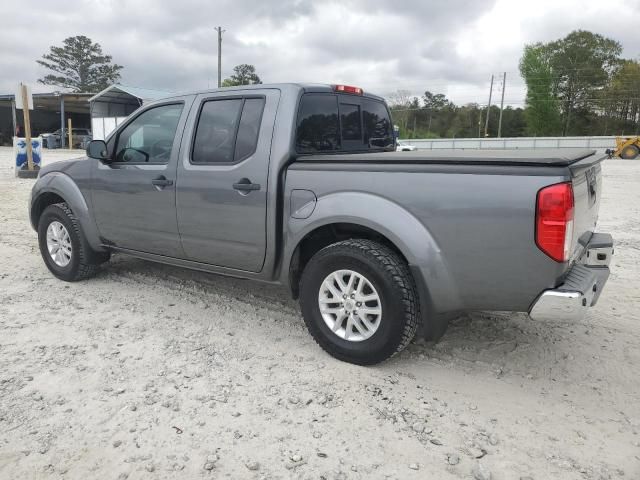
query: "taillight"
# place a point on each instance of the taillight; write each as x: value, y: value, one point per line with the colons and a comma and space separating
x: 554, y: 221
x: 347, y: 89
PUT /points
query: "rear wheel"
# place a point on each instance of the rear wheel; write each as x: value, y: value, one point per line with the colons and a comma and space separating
x: 630, y: 152
x: 64, y: 249
x: 359, y: 301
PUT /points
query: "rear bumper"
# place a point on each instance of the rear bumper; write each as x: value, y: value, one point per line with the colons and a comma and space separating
x: 582, y: 285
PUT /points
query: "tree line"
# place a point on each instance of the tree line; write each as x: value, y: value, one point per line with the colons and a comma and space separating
x: 580, y: 85
x: 577, y: 85
x: 434, y: 116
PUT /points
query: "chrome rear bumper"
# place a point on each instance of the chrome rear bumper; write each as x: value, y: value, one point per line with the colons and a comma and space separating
x: 582, y: 285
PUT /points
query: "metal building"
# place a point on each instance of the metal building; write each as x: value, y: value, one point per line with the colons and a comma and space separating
x: 115, y: 103
x: 50, y: 113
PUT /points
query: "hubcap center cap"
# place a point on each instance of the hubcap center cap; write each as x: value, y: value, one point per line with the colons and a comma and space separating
x: 349, y: 305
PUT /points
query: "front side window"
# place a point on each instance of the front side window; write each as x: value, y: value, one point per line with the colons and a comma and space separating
x: 149, y: 138
x: 318, y: 126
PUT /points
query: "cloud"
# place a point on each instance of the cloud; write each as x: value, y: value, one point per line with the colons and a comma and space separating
x: 451, y: 46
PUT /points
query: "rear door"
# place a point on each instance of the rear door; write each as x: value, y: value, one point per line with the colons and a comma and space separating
x: 222, y: 178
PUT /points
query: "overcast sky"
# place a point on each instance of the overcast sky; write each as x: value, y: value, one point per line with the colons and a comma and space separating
x: 450, y: 46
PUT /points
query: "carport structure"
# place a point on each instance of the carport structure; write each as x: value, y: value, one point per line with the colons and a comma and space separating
x: 50, y: 112
x: 115, y: 103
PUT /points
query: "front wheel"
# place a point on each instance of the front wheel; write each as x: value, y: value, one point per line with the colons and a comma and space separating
x: 64, y: 249
x: 359, y: 301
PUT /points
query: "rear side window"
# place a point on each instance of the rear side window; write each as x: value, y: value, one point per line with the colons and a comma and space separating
x: 215, y: 135
x: 227, y: 130
x: 318, y: 129
x: 331, y: 123
x: 377, y: 124
x: 249, y: 127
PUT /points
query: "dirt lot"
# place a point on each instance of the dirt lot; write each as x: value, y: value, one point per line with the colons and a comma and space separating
x: 150, y: 371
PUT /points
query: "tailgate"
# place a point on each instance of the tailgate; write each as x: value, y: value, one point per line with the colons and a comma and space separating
x: 586, y: 177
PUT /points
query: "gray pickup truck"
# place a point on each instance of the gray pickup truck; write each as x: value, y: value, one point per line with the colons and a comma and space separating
x: 300, y: 185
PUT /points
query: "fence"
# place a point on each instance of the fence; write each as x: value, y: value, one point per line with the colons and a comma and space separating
x: 595, y: 143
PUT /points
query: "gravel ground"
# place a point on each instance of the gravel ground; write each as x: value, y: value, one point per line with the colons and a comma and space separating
x: 149, y: 371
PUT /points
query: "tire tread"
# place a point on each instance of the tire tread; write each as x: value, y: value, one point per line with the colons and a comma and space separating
x: 398, y: 271
x: 87, y: 264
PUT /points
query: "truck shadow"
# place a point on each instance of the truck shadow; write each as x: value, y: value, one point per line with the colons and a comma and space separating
x: 497, y: 342
x: 175, y: 278
x: 501, y: 343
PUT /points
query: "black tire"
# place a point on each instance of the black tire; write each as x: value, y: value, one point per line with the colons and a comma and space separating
x: 391, y: 278
x: 84, y: 261
x: 629, y: 152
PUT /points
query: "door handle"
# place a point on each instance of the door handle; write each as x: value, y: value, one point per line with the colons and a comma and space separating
x: 161, y: 181
x: 245, y: 185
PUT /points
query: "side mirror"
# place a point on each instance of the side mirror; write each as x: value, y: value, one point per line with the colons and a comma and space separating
x: 98, y: 149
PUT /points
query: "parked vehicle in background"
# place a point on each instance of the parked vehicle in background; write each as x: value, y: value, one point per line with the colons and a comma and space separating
x: 403, y: 146
x: 51, y: 140
x: 301, y: 185
x: 78, y: 137
x: 627, y: 148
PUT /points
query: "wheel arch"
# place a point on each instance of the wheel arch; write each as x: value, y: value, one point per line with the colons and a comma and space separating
x: 365, y: 215
x: 56, y: 187
x: 41, y: 202
x: 325, y: 235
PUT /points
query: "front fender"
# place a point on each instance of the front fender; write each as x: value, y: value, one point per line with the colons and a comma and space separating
x: 63, y: 186
x: 394, y: 222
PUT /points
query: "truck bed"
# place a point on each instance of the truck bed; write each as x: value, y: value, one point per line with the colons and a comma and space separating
x: 530, y: 158
x: 478, y: 205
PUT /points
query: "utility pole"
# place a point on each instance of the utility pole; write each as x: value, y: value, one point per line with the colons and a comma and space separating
x: 220, y: 32
x: 486, y: 122
x: 504, y: 85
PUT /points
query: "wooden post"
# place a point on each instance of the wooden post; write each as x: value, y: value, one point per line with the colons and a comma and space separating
x: 27, y: 124
x: 62, y: 121
x: 70, y: 133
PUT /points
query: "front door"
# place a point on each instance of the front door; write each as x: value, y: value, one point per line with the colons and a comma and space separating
x: 134, y: 195
x: 222, y: 179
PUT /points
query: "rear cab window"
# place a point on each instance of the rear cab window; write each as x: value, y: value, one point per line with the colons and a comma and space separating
x: 338, y: 123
